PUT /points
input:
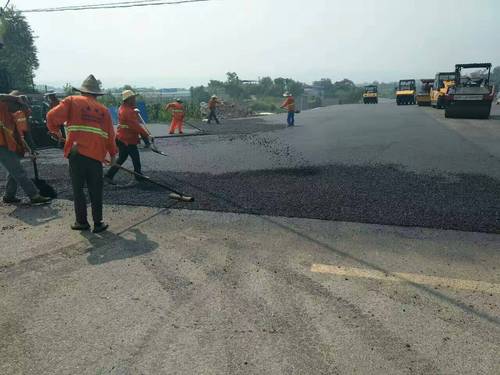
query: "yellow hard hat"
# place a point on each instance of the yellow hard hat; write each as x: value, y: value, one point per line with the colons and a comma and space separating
x: 128, y: 94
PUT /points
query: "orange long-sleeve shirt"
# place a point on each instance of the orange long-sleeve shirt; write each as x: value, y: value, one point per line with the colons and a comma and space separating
x: 289, y: 104
x: 177, y: 110
x: 88, y: 125
x: 129, y: 126
x: 11, y: 131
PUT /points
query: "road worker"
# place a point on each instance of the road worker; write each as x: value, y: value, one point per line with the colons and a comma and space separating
x: 289, y: 105
x: 12, y: 149
x: 52, y: 100
x: 90, y: 138
x: 177, y: 110
x: 127, y: 136
x: 212, y: 107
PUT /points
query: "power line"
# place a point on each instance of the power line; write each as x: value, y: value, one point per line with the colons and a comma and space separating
x: 116, y: 5
x: 99, y: 5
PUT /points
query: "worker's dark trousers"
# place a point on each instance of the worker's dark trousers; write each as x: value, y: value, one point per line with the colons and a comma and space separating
x: 212, y: 116
x: 86, y: 171
x: 291, y: 118
x: 124, y: 152
x: 17, y: 175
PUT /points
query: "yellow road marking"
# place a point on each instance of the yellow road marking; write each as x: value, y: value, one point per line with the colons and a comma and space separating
x: 480, y: 286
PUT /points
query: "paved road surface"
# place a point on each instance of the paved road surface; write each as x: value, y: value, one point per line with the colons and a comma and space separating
x: 362, y: 163
x: 175, y: 290
x: 189, y: 292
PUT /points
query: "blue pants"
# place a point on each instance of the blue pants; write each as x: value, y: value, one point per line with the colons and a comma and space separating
x: 291, y: 118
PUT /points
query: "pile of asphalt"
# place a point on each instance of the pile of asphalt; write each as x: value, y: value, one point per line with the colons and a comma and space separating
x: 381, y: 194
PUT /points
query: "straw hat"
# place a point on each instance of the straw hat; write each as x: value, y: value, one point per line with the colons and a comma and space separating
x: 127, y: 94
x: 90, y: 86
x: 214, y: 97
x: 287, y: 94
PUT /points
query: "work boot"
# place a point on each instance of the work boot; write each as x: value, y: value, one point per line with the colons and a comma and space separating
x: 39, y: 200
x: 109, y: 180
x: 100, y: 227
x: 11, y: 200
x: 80, y: 226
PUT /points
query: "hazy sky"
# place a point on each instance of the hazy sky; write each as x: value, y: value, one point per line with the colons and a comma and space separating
x: 184, y: 45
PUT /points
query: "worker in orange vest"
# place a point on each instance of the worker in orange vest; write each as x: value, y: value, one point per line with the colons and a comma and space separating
x: 289, y: 105
x: 178, y: 113
x: 91, y: 137
x: 212, y: 107
x: 13, y: 148
x: 127, y: 136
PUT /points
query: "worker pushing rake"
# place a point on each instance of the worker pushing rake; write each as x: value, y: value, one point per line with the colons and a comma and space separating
x: 131, y: 128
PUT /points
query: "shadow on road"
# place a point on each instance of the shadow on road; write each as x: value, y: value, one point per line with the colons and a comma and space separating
x: 35, y: 216
x: 111, y: 247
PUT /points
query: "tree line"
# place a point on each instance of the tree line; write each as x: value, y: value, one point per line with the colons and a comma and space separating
x: 18, y: 62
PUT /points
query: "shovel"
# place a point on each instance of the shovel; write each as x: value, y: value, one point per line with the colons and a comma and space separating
x: 45, y: 189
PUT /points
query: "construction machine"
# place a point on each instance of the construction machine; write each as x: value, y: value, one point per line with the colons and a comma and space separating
x: 472, y: 95
x: 405, y: 92
x: 424, y: 93
x: 442, y: 82
x: 370, y: 94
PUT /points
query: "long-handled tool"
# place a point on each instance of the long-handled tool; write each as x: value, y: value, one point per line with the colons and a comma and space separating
x: 43, y: 187
x: 174, y: 193
x: 153, y: 145
x: 197, y: 128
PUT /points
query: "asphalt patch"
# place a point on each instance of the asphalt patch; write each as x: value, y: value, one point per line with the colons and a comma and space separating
x: 380, y: 194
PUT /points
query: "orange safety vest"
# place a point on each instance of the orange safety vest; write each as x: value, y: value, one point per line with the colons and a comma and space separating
x: 10, y: 133
x: 177, y: 110
x: 88, y: 125
x: 289, y: 104
x: 129, y: 127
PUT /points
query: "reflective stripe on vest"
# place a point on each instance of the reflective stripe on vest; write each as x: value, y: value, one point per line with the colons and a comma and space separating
x: 178, y: 111
x: 122, y: 126
x: 2, y: 126
x: 87, y: 129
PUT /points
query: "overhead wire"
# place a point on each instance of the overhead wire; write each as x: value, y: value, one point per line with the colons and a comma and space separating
x: 114, y: 5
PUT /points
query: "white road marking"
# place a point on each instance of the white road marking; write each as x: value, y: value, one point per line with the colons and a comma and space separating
x: 480, y: 286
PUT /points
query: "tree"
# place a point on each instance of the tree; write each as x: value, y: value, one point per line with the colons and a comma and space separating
x: 199, y: 94
x: 18, y: 59
x: 233, y: 86
x: 68, y: 89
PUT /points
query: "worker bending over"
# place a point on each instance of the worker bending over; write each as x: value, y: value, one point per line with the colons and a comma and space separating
x: 289, y: 105
x: 127, y: 136
x: 177, y: 110
x: 12, y: 149
x: 212, y: 107
x: 90, y: 138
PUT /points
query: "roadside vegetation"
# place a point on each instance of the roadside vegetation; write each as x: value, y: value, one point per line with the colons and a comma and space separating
x: 18, y: 56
